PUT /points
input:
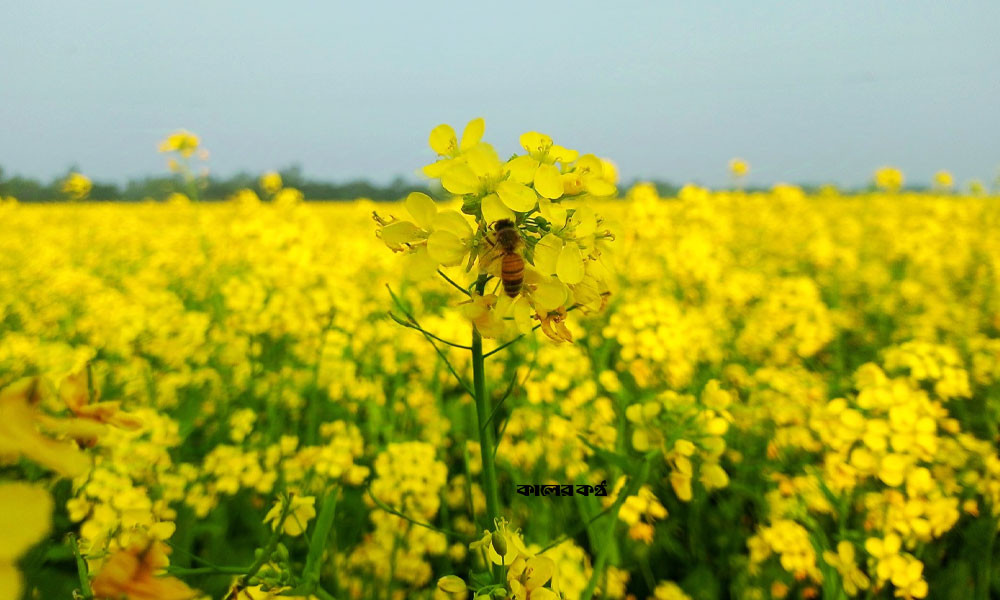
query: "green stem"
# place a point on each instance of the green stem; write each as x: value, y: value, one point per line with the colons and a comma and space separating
x: 487, y: 440
x: 206, y: 570
x: 317, y: 543
x: 426, y: 333
x: 456, y: 286
x: 609, y: 539
x: 984, y: 582
x: 323, y: 594
x: 393, y: 511
x: 81, y: 565
x: 440, y: 352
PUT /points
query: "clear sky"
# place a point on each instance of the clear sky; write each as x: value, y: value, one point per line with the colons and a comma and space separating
x: 804, y: 91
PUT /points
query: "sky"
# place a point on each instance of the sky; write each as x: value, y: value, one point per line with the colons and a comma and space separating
x: 805, y: 92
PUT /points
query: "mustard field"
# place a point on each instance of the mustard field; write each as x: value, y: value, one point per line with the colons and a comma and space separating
x: 720, y: 395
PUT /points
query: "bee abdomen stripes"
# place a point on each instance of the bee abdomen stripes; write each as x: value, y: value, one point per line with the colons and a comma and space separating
x: 512, y: 273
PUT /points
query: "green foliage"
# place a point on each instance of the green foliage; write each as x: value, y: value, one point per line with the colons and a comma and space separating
x: 27, y: 189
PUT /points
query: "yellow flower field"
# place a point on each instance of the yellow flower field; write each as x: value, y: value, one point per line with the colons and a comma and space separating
x: 784, y: 395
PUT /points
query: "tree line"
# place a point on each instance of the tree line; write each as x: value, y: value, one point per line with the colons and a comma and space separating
x: 27, y: 189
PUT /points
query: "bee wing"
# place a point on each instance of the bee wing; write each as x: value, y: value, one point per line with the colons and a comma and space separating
x: 489, y: 258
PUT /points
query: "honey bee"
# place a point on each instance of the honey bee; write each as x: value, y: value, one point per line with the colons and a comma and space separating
x: 508, y: 243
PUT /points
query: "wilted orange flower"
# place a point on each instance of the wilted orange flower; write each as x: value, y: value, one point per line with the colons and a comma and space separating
x: 74, y: 392
x: 20, y: 435
x: 554, y: 326
x: 131, y: 575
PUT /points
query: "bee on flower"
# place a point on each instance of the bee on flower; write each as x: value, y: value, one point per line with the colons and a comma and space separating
x: 525, y: 226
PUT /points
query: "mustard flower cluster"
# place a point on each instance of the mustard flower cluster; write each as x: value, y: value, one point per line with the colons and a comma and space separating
x: 408, y: 479
x: 794, y: 396
x: 77, y: 186
x: 541, y: 194
x: 682, y: 428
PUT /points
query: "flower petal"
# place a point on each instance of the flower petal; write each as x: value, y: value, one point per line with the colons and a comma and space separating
x: 589, y: 166
x: 442, y: 140
x: 494, y: 209
x: 473, y: 133
x: 398, y: 233
x: 460, y: 179
x: 446, y: 248
x: 483, y: 161
x: 534, y: 142
x: 25, y: 518
x: 522, y: 168
x: 521, y: 311
x: 547, y: 253
x: 548, y: 181
x: 517, y: 196
x: 436, y: 169
x: 420, y: 264
x: 553, y: 212
x: 586, y: 294
x: 539, y: 570
x: 549, y: 294
x: 453, y: 221
x: 599, y: 187
x: 563, y: 155
x: 569, y: 267
x: 544, y: 594
x: 422, y: 209
x: 610, y: 171
x: 10, y: 578
x: 584, y: 220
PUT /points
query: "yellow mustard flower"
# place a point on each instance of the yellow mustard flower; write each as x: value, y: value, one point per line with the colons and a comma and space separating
x: 738, y: 167
x: 445, y: 143
x: 668, y: 590
x: 944, y: 180
x: 889, y: 179
x: 538, y: 166
x: 77, y: 186
x: 182, y: 142
x: 301, y: 510
x: 25, y: 518
x: 527, y: 578
x: 852, y: 578
x: 270, y: 182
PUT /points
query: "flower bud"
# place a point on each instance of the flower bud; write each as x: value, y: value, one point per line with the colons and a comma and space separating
x: 453, y: 586
x: 281, y: 551
x: 499, y: 544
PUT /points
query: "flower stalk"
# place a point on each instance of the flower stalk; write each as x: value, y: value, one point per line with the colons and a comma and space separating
x: 487, y: 440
